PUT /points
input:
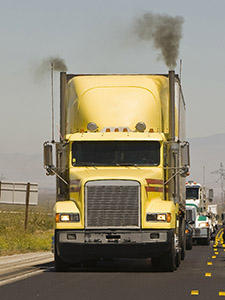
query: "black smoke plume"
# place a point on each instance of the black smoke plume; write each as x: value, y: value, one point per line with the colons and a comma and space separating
x: 56, y: 62
x: 164, y: 31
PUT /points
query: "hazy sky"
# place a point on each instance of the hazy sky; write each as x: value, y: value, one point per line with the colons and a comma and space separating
x: 96, y: 37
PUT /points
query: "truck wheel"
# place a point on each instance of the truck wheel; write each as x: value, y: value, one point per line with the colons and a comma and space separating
x: 182, y: 240
x: 189, y: 244
x: 60, y: 265
x: 178, y: 258
x: 168, y: 260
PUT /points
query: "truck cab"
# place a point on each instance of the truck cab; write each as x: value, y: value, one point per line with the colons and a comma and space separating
x: 120, y: 166
x: 196, y: 206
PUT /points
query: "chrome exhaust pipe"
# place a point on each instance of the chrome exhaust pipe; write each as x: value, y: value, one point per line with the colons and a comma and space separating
x: 172, y: 105
x: 63, y: 80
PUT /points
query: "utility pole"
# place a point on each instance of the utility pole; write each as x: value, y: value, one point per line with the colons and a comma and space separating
x: 221, y: 172
x: 2, y: 177
x: 203, y: 175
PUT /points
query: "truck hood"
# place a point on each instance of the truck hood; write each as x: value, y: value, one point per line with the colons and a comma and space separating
x: 85, y: 174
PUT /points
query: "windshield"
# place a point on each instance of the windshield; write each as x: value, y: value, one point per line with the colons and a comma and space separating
x: 116, y: 153
x: 192, y: 193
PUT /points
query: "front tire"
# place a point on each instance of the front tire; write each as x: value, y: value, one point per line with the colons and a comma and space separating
x: 60, y: 265
x: 168, y: 260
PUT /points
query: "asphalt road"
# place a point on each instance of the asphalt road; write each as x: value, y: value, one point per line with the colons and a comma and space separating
x: 200, y: 275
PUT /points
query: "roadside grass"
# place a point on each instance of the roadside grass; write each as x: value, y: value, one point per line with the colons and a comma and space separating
x: 13, y: 237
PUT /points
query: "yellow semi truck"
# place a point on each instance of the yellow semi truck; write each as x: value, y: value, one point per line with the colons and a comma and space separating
x: 120, y: 165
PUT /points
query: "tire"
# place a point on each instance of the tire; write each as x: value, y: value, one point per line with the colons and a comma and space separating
x: 60, y: 265
x: 182, y: 238
x: 168, y: 260
x: 178, y: 259
x: 189, y: 244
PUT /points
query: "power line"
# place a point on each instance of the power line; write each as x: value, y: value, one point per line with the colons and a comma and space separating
x: 221, y: 172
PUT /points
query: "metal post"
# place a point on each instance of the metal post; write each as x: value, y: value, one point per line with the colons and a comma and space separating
x: 172, y: 104
x: 63, y: 81
x: 27, y: 205
x: 53, y: 117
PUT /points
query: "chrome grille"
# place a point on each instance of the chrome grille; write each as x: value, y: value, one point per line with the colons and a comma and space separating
x: 112, y: 204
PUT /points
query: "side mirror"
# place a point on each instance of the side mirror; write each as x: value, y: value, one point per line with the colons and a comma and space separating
x: 185, y: 154
x: 48, y: 158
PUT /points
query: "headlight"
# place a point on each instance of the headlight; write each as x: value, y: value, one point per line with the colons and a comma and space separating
x: 158, y: 217
x: 67, y: 218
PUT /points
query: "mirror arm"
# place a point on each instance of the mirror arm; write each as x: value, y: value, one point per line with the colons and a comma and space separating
x: 51, y: 170
x: 182, y: 171
x: 172, y: 177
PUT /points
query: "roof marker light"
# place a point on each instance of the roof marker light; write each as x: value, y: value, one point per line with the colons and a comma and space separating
x: 140, y: 126
x: 92, y: 126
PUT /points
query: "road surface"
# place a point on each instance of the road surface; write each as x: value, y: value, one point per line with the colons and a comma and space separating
x: 201, y: 275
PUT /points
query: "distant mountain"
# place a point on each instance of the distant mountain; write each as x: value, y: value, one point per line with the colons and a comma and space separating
x: 205, y: 151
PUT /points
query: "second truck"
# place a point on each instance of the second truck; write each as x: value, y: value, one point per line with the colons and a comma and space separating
x: 121, y: 165
x: 197, y: 212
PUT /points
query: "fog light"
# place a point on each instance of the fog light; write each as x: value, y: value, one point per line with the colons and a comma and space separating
x: 154, y: 236
x: 71, y: 236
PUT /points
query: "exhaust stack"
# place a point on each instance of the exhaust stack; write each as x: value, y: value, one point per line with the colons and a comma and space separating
x: 63, y: 81
x: 172, y: 105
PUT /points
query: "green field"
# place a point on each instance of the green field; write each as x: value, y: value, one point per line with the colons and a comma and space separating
x: 14, y: 238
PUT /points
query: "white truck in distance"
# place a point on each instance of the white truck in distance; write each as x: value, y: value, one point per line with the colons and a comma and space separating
x: 197, y: 211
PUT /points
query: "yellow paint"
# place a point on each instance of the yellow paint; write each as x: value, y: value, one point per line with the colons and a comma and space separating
x: 216, y: 252
x: 223, y: 245
x: 214, y: 256
x: 215, y: 249
x: 117, y: 101
x: 209, y: 263
x: 221, y: 293
x: 208, y: 274
x: 215, y: 245
x: 67, y: 207
x: 151, y: 202
x: 195, y: 292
